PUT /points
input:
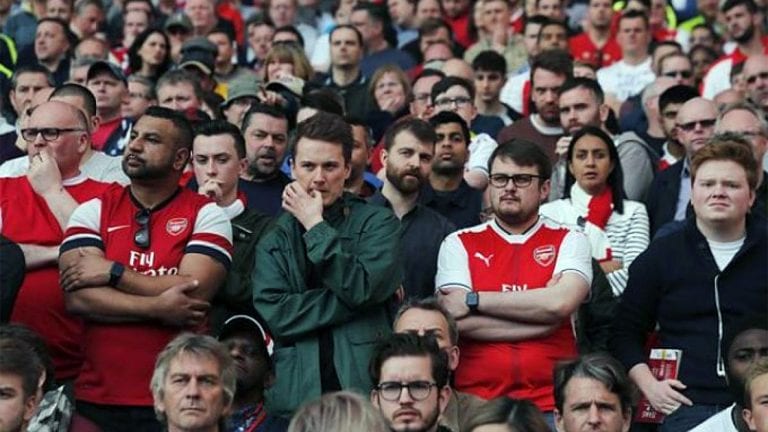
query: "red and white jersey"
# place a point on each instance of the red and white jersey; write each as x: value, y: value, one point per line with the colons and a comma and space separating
x: 583, y: 49
x: 718, y: 76
x: 119, y: 358
x: 26, y: 218
x: 487, y: 258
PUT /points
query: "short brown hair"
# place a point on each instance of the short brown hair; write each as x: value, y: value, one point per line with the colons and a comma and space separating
x: 730, y: 147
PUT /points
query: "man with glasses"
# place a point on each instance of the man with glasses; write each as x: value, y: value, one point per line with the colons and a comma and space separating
x: 677, y: 66
x: 141, y: 263
x: 34, y: 209
x: 670, y: 193
x: 513, y: 283
x: 410, y: 376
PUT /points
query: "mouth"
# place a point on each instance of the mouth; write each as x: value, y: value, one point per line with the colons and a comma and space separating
x: 590, y: 175
x: 133, y: 160
x: 407, y: 414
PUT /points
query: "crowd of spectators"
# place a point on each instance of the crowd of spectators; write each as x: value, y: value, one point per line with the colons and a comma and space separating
x: 406, y: 215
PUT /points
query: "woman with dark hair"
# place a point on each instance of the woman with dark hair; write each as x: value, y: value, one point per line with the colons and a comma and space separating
x: 389, y: 89
x: 508, y: 415
x: 150, y: 54
x: 594, y: 200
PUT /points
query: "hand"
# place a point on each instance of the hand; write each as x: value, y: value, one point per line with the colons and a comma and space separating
x: 212, y: 189
x: 428, y: 112
x: 454, y: 301
x: 561, y: 147
x: 664, y: 397
x: 392, y: 103
x: 500, y: 36
x: 306, y: 207
x: 88, y: 271
x: 611, y: 266
x: 268, y: 97
x: 176, y: 307
x: 43, y: 173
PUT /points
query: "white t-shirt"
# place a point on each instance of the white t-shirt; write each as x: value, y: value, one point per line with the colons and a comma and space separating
x: 720, y: 422
x: 725, y: 251
x: 624, y: 80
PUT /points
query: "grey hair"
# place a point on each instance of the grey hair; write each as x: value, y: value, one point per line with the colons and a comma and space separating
x: 198, y: 346
x: 744, y: 106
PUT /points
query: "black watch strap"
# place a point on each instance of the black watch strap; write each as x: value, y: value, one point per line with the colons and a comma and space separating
x: 473, y: 301
x: 115, y: 273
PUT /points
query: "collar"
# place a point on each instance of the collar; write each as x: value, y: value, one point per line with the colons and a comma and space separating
x: 76, y: 180
x: 235, y: 209
x: 360, y: 80
x: 544, y: 129
x: 685, y: 173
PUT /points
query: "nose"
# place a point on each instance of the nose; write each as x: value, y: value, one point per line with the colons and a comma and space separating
x: 405, y: 396
x: 594, y: 414
x: 210, y: 168
x: 318, y: 177
x: 590, y: 161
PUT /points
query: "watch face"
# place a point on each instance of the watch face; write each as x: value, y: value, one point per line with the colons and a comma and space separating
x: 472, y: 299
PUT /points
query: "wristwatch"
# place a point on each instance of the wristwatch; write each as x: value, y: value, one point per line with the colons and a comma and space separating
x: 115, y: 273
x: 473, y: 301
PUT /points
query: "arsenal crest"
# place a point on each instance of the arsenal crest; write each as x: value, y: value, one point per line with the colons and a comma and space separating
x: 544, y: 255
x: 176, y: 226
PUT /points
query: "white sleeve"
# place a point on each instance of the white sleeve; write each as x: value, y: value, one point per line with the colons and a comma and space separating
x: 84, y: 227
x: 480, y: 150
x: 717, y: 79
x: 453, y: 265
x: 575, y: 256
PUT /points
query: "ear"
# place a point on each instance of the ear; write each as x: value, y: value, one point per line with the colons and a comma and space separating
x: 30, y: 406
x: 751, y: 198
x: 453, y: 358
x: 747, y: 415
x: 383, y: 157
x: 243, y: 165
x: 626, y: 420
x: 544, y: 190
x: 181, y: 159
x: 558, y: 420
x: 95, y: 122
x: 269, y: 379
x: 603, y: 110
x: 375, y: 398
x: 12, y: 96
x: 83, y: 143
x: 347, y: 170
x: 443, y: 397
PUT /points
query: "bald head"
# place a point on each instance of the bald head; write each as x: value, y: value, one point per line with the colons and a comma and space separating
x: 756, y: 76
x: 696, y: 124
x: 728, y: 97
x: 458, y: 68
x: 65, y: 137
x: 650, y: 96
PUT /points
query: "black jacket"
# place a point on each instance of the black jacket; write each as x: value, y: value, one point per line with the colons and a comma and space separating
x: 662, y: 196
x: 677, y: 283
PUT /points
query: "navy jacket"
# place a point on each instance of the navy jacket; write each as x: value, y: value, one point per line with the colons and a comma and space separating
x: 677, y: 283
x: 661, y: 202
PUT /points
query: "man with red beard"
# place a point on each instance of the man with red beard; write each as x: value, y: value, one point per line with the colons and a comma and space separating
x: 409, y: 147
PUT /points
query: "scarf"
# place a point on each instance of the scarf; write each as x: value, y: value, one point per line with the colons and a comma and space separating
x: 597, y: 210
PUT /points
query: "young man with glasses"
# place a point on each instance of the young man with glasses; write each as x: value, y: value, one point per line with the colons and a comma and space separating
x: 513, y: 283
x: 678, y: 67
x: 34, y: 210
x: 141, y: 263
x: 410, y: 376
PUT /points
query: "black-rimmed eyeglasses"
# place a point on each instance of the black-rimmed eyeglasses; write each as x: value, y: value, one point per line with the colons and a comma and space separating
x: 141, y: 236
x: 49, y: 134
x: 391, y: 390
x: 519, y: 180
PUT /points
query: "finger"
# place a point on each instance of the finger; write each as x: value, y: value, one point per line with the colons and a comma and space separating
x: 676, y: 384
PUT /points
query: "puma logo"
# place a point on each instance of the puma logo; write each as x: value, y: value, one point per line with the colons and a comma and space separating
x: 486, y: 260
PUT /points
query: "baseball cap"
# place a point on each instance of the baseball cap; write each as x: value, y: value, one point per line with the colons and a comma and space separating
x: 291, y: 83
x: 110, y: 68
x: 199, y: 43
x: 199, y: 59
x: 247, y: 87
x: 179, y: 19
x: 247, y: 324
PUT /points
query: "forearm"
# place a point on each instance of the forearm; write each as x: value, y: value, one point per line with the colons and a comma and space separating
x: 137, y: 284
x: 110, y: 305
x: 61, y: 205
x: 490, y: 329
x: 642, y: 376
x: 36, y: 256
x: 477, y: 179
x: 541, y: 306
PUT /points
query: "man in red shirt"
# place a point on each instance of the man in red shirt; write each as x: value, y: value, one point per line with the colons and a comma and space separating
x: 141, y: 263
x: 596, y: 45
x: 513, y: 283
x: 34, y: 210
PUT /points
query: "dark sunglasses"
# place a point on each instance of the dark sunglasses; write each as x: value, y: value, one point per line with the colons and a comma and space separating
x: 682, y: 73
x: 141, y: 236
x: 690, y: 126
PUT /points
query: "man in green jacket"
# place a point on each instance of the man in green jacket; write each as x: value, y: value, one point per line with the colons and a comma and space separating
x: 326, y: 274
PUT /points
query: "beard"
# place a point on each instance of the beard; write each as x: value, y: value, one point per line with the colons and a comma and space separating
x: 407, y: 182
x: 447, y: 168
x: 513, y: 217
x: 258, y: 170
x: 746, y: 36
x: 146, y: 172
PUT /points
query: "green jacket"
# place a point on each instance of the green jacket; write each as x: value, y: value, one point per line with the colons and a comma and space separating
x: 341, y: 275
